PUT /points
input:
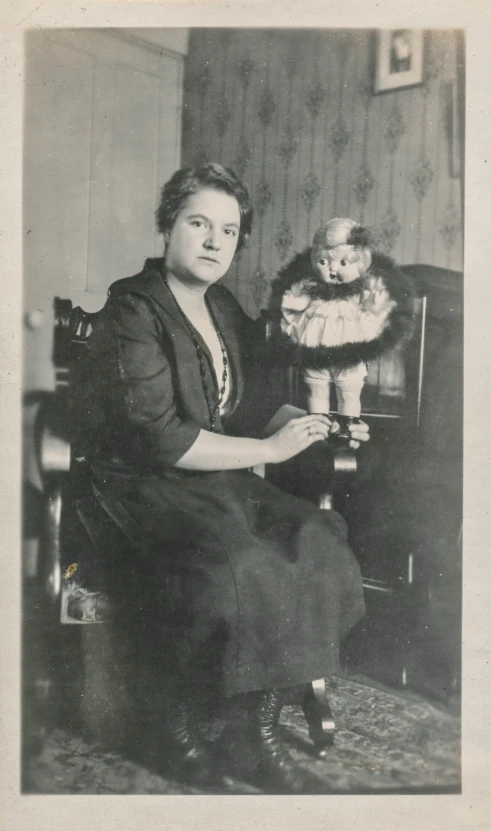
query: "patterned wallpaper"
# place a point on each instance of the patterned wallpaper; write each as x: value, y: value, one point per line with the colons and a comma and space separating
x: 293, y: 113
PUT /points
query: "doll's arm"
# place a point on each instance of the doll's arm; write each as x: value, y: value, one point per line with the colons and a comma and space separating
x: 295, y: 300
x: 375, y: 309
x: 377, y: 300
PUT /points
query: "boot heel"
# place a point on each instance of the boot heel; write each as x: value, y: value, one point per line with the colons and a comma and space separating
x: 319, y: 717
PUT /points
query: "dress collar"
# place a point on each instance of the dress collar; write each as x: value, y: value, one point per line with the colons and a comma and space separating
x: 155, y: 268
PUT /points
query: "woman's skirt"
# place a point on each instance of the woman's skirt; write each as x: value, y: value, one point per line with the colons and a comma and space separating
x: 262, y: 585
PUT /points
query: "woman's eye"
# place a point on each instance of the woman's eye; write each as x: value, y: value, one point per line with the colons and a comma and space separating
x: 231, y: 232
x: 197, y: 223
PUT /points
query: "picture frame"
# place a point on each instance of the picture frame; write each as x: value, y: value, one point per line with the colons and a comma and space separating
x: 398, y: 59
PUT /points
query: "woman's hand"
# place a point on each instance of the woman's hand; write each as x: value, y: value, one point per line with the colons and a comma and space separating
x: 360, y: 432
x: 297, y: 435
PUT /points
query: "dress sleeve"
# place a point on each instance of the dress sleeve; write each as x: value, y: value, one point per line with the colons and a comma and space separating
x: 148, y: 409
x: 295, y: 301
x: 375, y: 309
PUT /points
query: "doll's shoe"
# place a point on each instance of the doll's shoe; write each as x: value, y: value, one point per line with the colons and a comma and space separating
x: 343, y: 434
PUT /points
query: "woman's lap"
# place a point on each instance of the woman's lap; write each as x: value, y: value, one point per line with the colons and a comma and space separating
x: 267, y: 582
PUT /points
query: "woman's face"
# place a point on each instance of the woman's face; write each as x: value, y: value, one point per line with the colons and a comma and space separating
x: 202, y: 243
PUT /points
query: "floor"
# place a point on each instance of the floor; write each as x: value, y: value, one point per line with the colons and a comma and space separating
x: 387, y: 742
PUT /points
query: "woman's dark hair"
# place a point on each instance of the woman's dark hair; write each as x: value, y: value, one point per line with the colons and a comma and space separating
x: 189, y: 180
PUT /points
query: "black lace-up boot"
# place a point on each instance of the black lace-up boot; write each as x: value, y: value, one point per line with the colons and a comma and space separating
x: 277, y: 770
x: 188, y: 755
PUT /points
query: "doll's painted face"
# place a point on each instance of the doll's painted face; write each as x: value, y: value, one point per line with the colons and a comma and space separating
x: 341, y: 263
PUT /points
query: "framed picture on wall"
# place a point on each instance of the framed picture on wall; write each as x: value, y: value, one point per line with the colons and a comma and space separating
x: 398, y: 59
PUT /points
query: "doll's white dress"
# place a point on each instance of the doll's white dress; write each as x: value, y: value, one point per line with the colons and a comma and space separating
x: 356, y: 319
x: 314, y: 322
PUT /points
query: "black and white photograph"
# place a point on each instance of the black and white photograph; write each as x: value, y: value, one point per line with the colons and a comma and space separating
x: 242, y: 571
x: 399, y: 59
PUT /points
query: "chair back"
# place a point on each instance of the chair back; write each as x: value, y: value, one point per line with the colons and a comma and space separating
x: 56, y: 455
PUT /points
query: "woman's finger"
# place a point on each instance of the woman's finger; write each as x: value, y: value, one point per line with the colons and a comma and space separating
x: 360, y: 425
x: 318, y: 429
x: 312, y: 419
x: 359, y: 432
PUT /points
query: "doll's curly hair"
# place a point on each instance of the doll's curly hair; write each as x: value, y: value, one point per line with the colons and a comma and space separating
x: 342, y: 231
x: 189, y: 180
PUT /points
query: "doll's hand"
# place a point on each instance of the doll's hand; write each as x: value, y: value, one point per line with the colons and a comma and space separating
x: 296, y: 299
x: 309, y: 284
x: 360, y: 432
x: 298, y: 289
x: 378, y: 299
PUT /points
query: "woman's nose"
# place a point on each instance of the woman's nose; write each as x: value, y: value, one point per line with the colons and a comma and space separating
x: 213, y: 240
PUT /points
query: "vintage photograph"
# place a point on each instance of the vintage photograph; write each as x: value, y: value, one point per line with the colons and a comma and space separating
x: 399, y: 59
x: 242, y: 411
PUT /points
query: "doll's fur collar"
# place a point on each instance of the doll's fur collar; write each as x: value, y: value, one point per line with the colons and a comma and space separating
x: 399, y: 324
x: 335, y: 291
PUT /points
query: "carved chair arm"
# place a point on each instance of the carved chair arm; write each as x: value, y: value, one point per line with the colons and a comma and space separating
x: 53, y: 458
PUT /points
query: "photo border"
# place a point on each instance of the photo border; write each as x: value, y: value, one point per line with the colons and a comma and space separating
x: 472, y: 809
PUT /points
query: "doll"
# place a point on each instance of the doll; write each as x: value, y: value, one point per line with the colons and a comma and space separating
x: 340, y: 305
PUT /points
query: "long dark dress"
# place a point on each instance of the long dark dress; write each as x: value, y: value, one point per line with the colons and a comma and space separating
x: 266, y: 583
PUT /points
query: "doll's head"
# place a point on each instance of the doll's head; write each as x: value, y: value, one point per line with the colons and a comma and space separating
x: 340, y: 251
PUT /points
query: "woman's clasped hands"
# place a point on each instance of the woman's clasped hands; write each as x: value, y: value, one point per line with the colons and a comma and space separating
x: 299, y: 433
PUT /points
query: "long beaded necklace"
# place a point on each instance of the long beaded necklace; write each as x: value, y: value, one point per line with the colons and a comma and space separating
x: 212, y: 410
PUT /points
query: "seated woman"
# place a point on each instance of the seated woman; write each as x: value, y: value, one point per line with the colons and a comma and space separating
x: 268, y: 585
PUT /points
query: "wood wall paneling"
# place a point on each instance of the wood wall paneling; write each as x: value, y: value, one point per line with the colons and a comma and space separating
x: 102, y: 133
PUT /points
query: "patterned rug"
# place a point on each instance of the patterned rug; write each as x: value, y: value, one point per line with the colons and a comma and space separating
x: 387, y: 742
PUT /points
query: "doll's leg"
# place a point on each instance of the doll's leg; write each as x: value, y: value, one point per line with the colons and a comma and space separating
x: 349, y: 384
x: 318, y: 384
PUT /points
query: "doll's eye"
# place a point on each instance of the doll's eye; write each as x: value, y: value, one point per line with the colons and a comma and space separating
x: 322, y: 262
x: 344, y: 262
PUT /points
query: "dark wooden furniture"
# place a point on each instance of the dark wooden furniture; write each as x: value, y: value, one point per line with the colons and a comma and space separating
x: 404, y: 510
x: 404, y: 505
